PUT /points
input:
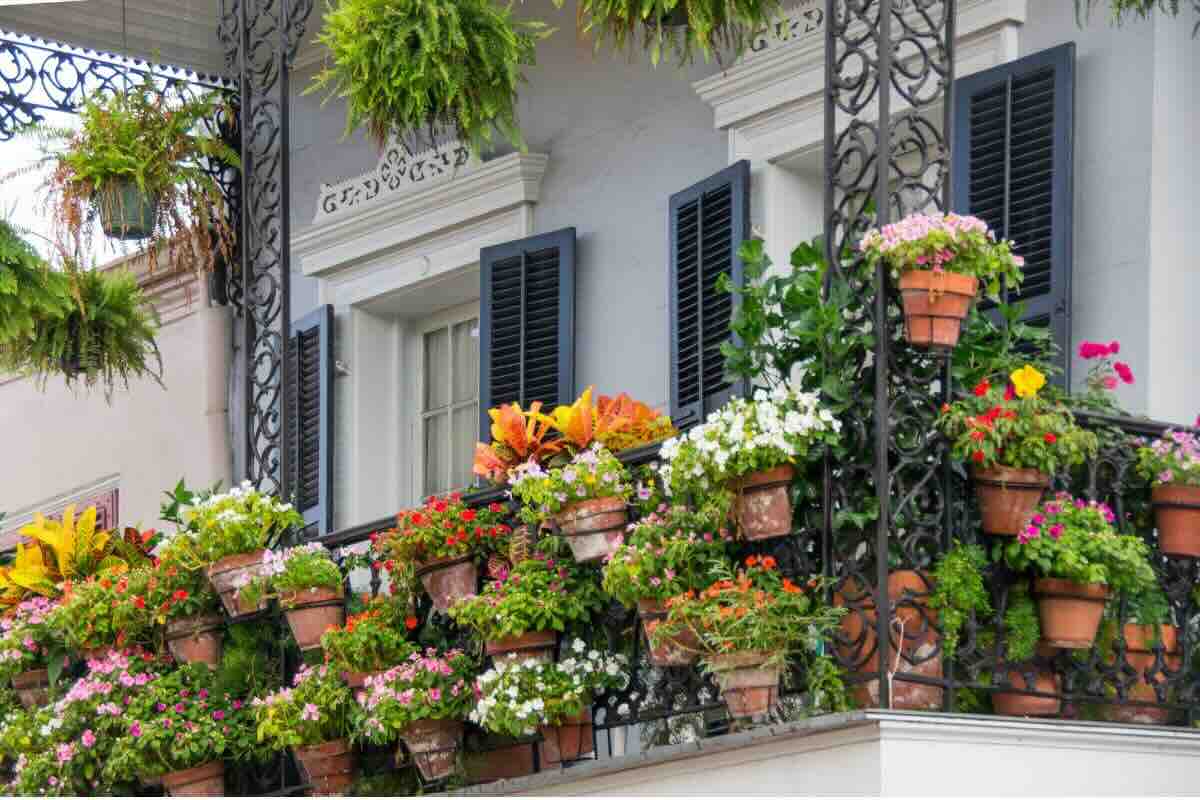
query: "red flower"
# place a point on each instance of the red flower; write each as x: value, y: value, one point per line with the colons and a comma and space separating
x: 982, y: 388
x: 1123, y: 370
x: 1114, y: 347
x: 138, y: 602
x: 1051, y: 438
x: 180, y: 594
x: 495, y: 508
x: 389, y: 565
x: 416, y: 518
x: 468, y: 515
x: 410, y: 623
x: 440, y: 506
x: 978, y: 456
x: 1010, y: 393
x: 978, y: 435
x: 945, y: 408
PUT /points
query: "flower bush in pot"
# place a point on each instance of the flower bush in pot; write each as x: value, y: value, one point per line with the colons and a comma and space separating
x: 1013, y: 438
x: 100, y: 614
x: 183, y: 600
x: 308, y: 583
x: 1078, y: 560
x: 749, y: 624
x: 940, y: 261
x: 370, y: 642
x: 521, y: 611
x: 1172, y: 465
x: 25, y: 642
x: 667, y: 552
x: 444, y: 539
x: 587, y: 498
x: 745, y: 452
x: 521, y: 698
x: 312, y: 717
x: 422, y: 702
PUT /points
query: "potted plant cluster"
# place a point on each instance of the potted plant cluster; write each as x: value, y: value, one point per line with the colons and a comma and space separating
x: 668, y: 552
x: 25, y: 642
x: 422, y: 702
x: 444, y: 540
x: 522, y: 698
x: 940, y: 261
x: 1013, y: 438
x: 520, y: 613
x: 745, y: 452
x: 750, y: 624
x: 313, y: 718
x: 587, y: 498
x: 370, y: 642
x: 1172, y: 465
x: 308, y: 583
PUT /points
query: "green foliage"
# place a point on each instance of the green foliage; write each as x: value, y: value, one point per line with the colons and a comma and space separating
x: 371, y: 640
x: 592, y: 474
x: 301, y: 568
x: 248, y: 666
x: 826, y: 686
x: 106, y: 336
x: 215, y: 526
x: 103, y: 612
x: 1149, y: 607
x: 708, y: 25
x: 958, y: 590
x: 992, y: 350
x: 30, y: 291
x: 1123, y: 10
x: 444, y: 527
x: 1022, y: 627
x: 428, y: 685
x: 411, y: 65
x: 317, y: 708
x: 539, y: 594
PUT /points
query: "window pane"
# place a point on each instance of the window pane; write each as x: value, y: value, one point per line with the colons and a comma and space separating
x: 436, y: 443
x: 466, y: 424
x: 437, y: 365
x: 466, y: 360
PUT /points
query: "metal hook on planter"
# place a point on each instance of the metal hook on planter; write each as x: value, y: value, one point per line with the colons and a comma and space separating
x: 897, y: 622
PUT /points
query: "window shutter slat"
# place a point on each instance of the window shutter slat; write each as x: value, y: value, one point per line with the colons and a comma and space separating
x: 527, y: 323
x: 309, y: 395
x: 1013, y: 168
x: 708, y: 223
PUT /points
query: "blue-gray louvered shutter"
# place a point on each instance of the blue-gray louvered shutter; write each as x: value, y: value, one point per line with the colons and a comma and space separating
x: 1013, y: 168
x: 708, y: 223
x: 310, y: 404
x: 527, y: 323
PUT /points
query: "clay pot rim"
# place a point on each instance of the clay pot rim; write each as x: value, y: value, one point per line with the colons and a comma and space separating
x: 593, y: 507
x: 739, y: 659
x: 530, y: 640
x: 763, y: 479
x: 1021, y: 477
x: 236, y: 561
x: 323, y: 597
x: 209, y: 769
x: 40, y: 674
x: 1190, y: 499
x: 331, y: 748
x: 951, y: 282
x: 198, y: 623
x: 1061, y: 587
x: 438, y: 564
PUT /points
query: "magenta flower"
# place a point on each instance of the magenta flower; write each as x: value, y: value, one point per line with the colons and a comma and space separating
x: 180, y: 708
x: 1056, y: 530
x: 88, y: 739
x: 1124, y: 372
x: 135, y: 730
x: 218, y: 715
x: 435, y: 694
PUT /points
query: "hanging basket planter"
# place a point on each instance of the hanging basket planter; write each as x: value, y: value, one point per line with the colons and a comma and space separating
x: 193, y: 639
x: 763, y: 503
x: 593, y: 528
x: 536, y: 645
x: 1070, y: 612
x: 1177, y: 517
x: 1008, y: 498
x: 568, y: 741
x: 328, y: 767
x: 448, y: 579
x: 679, y: 650
x: 935, y: 306
x: 206, y: 780
x: 126, y: 212
x: 229, y: 574
x: 32, y: 687
x: 433, y: 745
x: 312, y: 612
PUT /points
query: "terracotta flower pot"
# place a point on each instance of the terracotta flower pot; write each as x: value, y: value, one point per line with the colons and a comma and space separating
x: 908, y: 595
x: 935, y: 305
x: 95, y: 653
x: 538, y: 645
x: 448, y: 579
x: 433, y: 744
x: 501, y: 763
x: 312, y: 612
x: 1015, y: 704
x: 763, y: 503
x: 569, y: 741
x: 749, y: 687
x: 32, y: 687
x: 228, y: 573
x: 1008, y: 498
x: 593, y: 528
x: 680, y: 650
x: 328, y: 766
x: 1177, y: 517
x: 196, y: 639
x: 1140, y: 641
x: 1070, y: 612
x: 206, y: 780
x: 357, y: 680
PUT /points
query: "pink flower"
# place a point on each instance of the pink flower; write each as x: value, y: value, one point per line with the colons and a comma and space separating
x: 88, y: 738
x: 1114, y: 347
x: 135, y: 730
x: 435, y: 694
x: 64, y: 753
x: 237, y: 704
x: 1124, y: 372
x: 1056, y: 530
x: 310, y: 713
x: 218, y: 715
x: 180, y: 708
x: 1110, y: 382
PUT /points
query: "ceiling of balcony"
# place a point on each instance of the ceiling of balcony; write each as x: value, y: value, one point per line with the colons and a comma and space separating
x: 177, y: 32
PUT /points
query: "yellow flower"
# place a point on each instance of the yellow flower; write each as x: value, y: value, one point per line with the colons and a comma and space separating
x: 1027, y: 381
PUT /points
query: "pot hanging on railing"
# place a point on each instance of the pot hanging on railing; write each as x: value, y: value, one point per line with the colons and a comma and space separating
x: 593, y: 528
x: 763, y: 503
x: 32, y: 687
x: 1008, y: 498
x: 570, y: 740
x: 312, y: 612
x: 1045, y: 681
x: 227, y: 576
x: 935, y: 305
x: 1140, y: 653
x: 126, y: 212
x: 678, y: 650
x: 328, y: 767
x: 749, y: 683
x: 206, y: 780
x: 433, y: 745
x: 447, y: 579
x: 499, y: 762
x: 536, y: 645
x: 1177, y: 518
x: 198, y: 638
x: 1070, y: 612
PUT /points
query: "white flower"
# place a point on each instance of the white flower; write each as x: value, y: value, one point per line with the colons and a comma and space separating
x: 578, y: 645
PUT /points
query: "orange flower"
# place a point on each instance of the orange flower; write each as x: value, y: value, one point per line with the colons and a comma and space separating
x: 410, y: 623
x: 790, y: 587
x: 741, y: 612
x: 751, y: 561
x: 768, y: 562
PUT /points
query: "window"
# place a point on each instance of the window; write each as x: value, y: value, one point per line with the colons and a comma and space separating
x: 449, y: 399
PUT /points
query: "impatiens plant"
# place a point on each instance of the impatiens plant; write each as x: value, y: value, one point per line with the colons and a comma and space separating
x: 517, y: 698
x: 303, y: 568
x: 316, y: 708
x: 372, y: 640
x: 1074, y: 540
x: 591, y: 474
x: 1013, y: 425
x: 25, y: 638
x: 176, y: 592
x: 668, y: 552
x: 428, y: 685
x: 945, y: 242
x: 443, y: 528
x: 1172, y: 459
x: 541, y: 593
x: 104, y: 612
x: 241, y: 520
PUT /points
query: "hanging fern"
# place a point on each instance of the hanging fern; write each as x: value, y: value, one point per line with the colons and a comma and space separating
x: 1123, y: 10
x: 29, y: 289
x: 413, y: 65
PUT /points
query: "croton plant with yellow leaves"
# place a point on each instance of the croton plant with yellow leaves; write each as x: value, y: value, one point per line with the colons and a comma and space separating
x: 520, y: 437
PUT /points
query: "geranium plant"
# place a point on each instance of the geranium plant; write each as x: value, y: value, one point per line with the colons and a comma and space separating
x: 593, y: 473
x: 668, y: 552
x: 1173, y: 459
x: 176, y: 592
x: 427, y: 685
x: 316, y: 708
x: 541, y: 593
x: 1105, y: 374
x: 444, y: 528
x: 945, y: 242
x: 517, y: 698
x: 104, y: 612
x: 372, y: 640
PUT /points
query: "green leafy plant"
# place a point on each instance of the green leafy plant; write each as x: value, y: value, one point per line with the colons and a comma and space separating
x: 1174, y: 458
x: 30, y: 291
x: 104, y: 612
x: 518, y: 697
x: 428, y: 685
x: 1123, y: 10
x: 303, y: 568
x: 1022, y: 627
x: 541, y: 593
x: 371, y: 640
x: 444, y: 527
x: 1075, y: 540
x: 666, y: 553
x: 174, y: 591
x: 215, y: 526
x: 996, y: 343
x: 958, y: 591
x: 317, y: 708
x: 413, y: 65
x: 593, y: 473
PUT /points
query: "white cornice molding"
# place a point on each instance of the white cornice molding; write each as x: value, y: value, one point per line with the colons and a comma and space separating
x: 345, y: 238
